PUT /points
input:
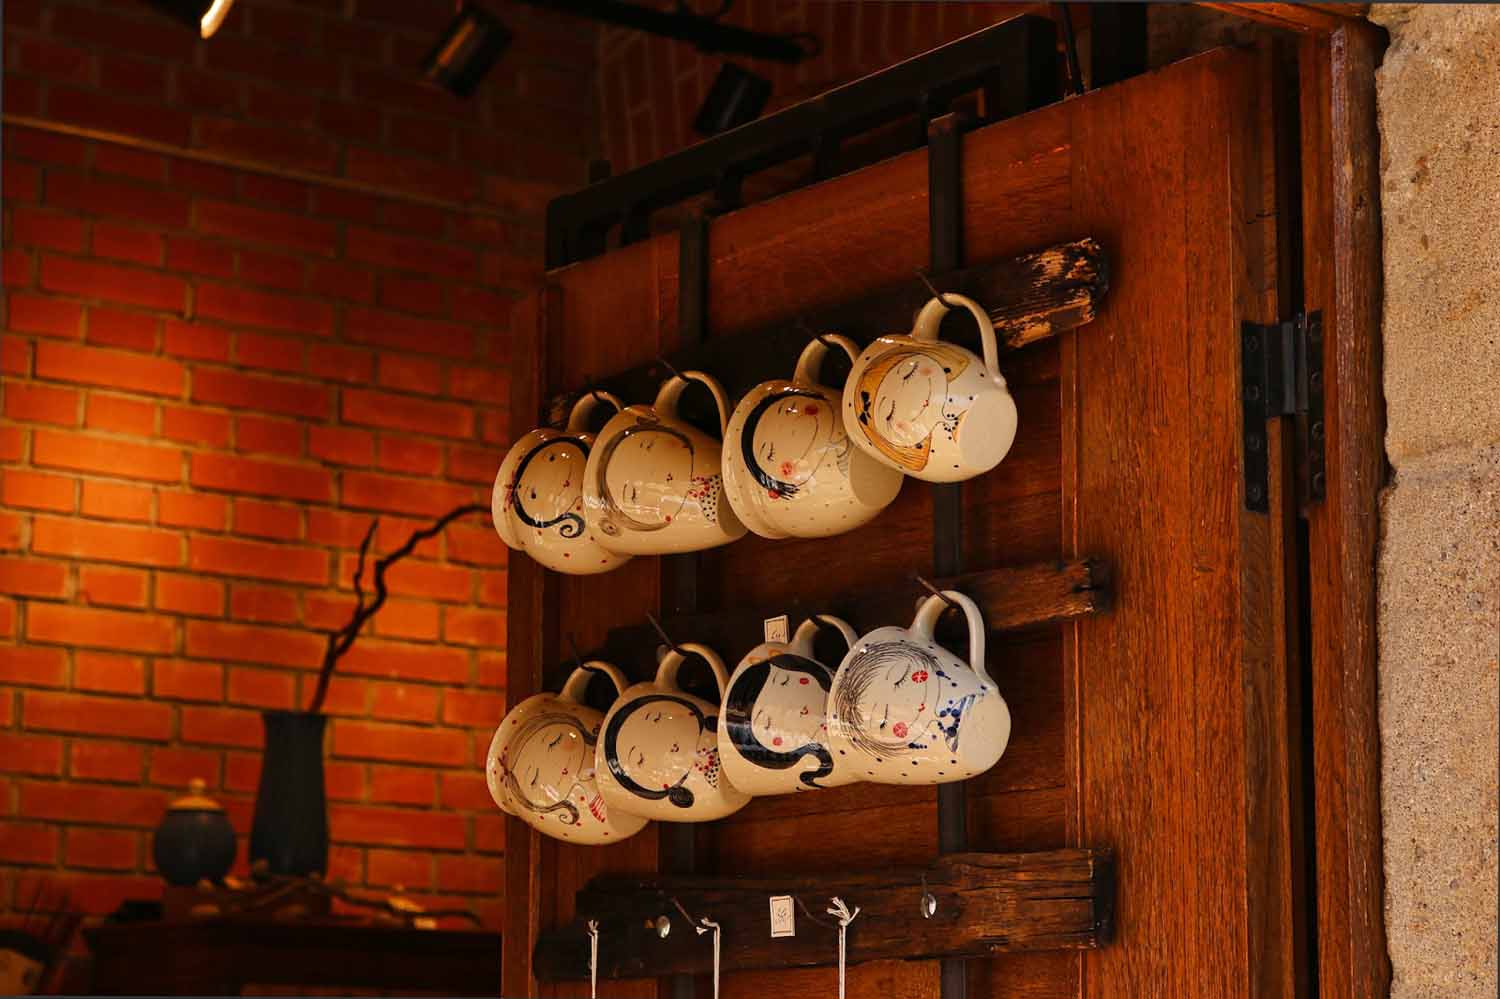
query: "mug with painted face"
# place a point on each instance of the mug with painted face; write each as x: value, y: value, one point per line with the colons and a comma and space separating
x: 537, y: 502
x: 659, y: 754
x: 773, y: 733
x: 790, y: 468
x: 540, y: 766
x: 905, y: 710
x: 652, y: 485
x: 930, y: 409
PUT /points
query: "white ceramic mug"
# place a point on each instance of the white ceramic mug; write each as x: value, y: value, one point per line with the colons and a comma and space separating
x: 658, y: 754
x: 773, y: 731
x: 905, y: 710
x: 930, y: 409
x: 652, y: 485
x: 540, y: 766
x: 790, y: 469
x: 537, y: 502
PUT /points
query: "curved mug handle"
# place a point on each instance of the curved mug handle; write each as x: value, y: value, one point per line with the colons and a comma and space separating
x: 807, y: 633
x: 672, y: 389
x: 577, y: 684
x: 927, y: 618
x: 812, y: 356
x: 666, y: 674
x: 578, y: 416
x: 931, y: 317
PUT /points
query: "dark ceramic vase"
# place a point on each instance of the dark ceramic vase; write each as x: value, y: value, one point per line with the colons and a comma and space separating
x: 290, y: 832
x: 195, y: 841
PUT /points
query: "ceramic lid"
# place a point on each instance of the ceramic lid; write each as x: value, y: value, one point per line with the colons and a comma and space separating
x: 195, y: 800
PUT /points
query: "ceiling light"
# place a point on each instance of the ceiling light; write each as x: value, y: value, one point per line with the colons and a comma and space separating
x: 205, y: 15
x: 466, y: 50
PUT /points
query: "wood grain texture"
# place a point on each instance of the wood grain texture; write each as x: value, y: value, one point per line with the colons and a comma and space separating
x: 1319, y: 18
x: 986, y: 904
x: 1341, y: 220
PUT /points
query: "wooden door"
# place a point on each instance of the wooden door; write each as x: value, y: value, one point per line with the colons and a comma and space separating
x: 1159, y: 728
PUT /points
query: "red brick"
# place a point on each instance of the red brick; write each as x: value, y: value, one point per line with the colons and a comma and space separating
x: 221, y: 727
x: 108, y: 368
x: 489, y: 385
x: 116, y: 501
x: 261, y: 478
x: 402, y: 786
x: 348, y: 205
x: 266, y: 436
x: 122, y: 415
x: 105, y: 542
x: 174, y: 767
x: 272, y: 270
x: 344, y: 781
x: 195, y: 426
x: 100, y: 629
x: 466, y: 792
x: 327, y: 613
x: 419, y: 295
x: 262, y: 688
x: 184, y: 594
x: 31, y: 843
x: 37, y: 490
x: 111, y: 587
x: 369, y: 491
x: 27, y: 577
x: 242, y: 771
x: 477, y: 465
x: 138, y: 246
x: 102, y: 849
x: 272, y: 395
x: 478, y: 305
x: 272, y: 310
x: 22, y: 182
x: 30, y: 754
x: 258, y: 560
x: 47, y: 230
x: 89, y: 803
x: 406, y: 662
x: 7, y: 630
x: 112, y: 761
x: 108, y: 674
x: 193, y: 176
x: 47, y: 316
x: 157, y: 206
x: 199, y: 256
x: 41, y: 403
x: 474, y: 875
x: 195, y: 340
x: 248, y: 644
x: 411, y: 374
x: 405, y: 454
x: 404, y: 702
x: 15, y: 268
x: 408, y: 333
x: 267, y: 520
x: 341, y: 281
x: 187, y: 681
x: 192, y: 510
x: 399, y: 412
x: 489, y: 833
x: 291, y: 195
x: 12, y: 443
x: 428, y: 581
x: 263, y: 605
x: 473, y: 709
x: 395, y: 827
x: 419, y: 176
x: 346, y: 695
x: 402, y: 869
x: 130, y: 330
x: 407, y: 619
x: 10, y: 531
x: 291, y: 147
x: 92, y: 109
x: 200, y: 91
x: 399, y: 743
x: 55, y: 449
x: 127, y: 717
x: 130, y: 163
x: 98, y: 895
x: 280, y: 229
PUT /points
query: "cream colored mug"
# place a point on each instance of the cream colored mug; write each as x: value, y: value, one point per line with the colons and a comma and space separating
x: 932, y: 410
x: 790, y: 468
x: 537, y: 502
x: 652, y: 485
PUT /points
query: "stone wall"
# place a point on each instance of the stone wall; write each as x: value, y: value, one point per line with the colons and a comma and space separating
x: 1439, y: 96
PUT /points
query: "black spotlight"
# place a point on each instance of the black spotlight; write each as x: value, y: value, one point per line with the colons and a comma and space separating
x: 205, y: 15
x: 466, y: 50
x: 737, y: 96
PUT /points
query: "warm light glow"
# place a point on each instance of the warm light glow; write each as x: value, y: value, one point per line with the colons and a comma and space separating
x: 215, y: 17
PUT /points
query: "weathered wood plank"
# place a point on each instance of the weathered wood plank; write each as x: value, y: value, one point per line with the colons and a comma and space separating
x: 986, y: 904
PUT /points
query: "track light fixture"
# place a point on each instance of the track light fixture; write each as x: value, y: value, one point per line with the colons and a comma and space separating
x: 205, y: 15
x: 466, y: 50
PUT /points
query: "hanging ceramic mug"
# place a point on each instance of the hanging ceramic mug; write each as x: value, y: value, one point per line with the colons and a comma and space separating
x: 540, y: 766
x: 773, y: 731
x: 905, y: 710
x: 653, y: 485
x: 658, y: 756
x: 932, y: 410
x: 537, y: 502
x: 790, y: 468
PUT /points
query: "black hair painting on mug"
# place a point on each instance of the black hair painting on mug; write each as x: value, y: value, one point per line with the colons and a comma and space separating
x: 739, y: 711
x: 677, y: 794
x: 572, y: 523
x: 767, y: 481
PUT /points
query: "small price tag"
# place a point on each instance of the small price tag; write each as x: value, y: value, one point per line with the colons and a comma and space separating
x: 777, y: 630
x: 783, y: 920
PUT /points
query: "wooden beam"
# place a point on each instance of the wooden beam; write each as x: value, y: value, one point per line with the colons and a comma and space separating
x: 1320, y: 18
x: 986, y: 904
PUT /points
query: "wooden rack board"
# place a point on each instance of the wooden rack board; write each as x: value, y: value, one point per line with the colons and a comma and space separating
x: 986, y: 904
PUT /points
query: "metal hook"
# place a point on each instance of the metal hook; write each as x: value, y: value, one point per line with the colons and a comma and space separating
x: 685, y: 914
x: 668, y: 365
x: 939, y: 295
x: 938, y: 593
x: 929, y: 900
x: 810, y: 916
x: 667, y: 641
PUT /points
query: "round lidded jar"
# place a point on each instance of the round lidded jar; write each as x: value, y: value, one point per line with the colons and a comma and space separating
x: 194, y: 840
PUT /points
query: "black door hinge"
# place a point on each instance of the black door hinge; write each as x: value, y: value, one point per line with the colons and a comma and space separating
x: 1281, y: 374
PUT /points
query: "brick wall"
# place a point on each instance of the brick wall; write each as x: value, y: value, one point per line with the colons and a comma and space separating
x: 214, y: 377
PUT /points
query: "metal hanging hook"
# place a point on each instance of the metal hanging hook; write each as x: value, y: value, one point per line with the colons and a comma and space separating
x: 667, y: 641
x: 938, y: 593
x: 929, y: 901
x: 594, y: 959
x: 669, y: 366
x: 941, y: 296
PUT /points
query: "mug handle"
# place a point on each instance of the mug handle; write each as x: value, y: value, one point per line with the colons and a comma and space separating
x: 672, y: 389
x: 666, y: 674
x: 578, y: 417
x: 931, y: 317
x: 927, y: 618
x: 812, y: 356
x: 577, y: 684
x: 807, y: 632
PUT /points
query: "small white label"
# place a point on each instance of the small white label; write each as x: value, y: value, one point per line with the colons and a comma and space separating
x: 783, y: 922
x: 776, y: 631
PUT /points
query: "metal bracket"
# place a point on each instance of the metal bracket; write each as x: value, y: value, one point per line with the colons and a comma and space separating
x: 1281, y: 372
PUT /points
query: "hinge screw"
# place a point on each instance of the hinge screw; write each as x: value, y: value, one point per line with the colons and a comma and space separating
x: 1252, y: 392
x: 1254, y: 492
x: 1253, y: 442
x: 1316, y: 430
